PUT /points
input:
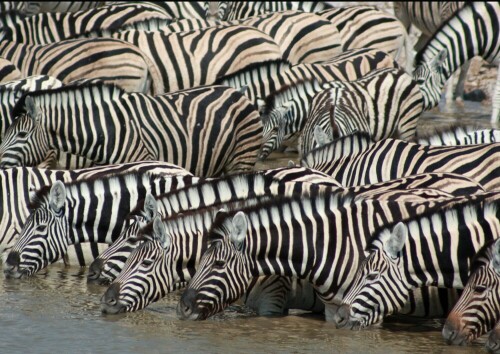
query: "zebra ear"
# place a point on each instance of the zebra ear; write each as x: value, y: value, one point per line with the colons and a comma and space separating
x: 57, y: 196
x: 261, y: 105
x: 438, y: 60
x: 397, y: 240
x: 160, y: 233
x: 320, y: 136
x: 291, y: 163
x: 150, y: 207
x: 495, y: 262
x: 239, y: 229
x: 31, y: 107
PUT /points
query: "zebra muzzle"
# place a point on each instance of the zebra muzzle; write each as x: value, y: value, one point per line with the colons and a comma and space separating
x: 110, y: 301
x: 11, y: 267
x: 187, y: 305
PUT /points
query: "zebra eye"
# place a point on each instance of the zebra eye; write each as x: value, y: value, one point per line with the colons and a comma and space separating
x: 132, y: 240
x: 372, y: 276
x: 22, y: 135
x: 480, y: 289
x: 147, y: 263
x: 41, y: 228
x: 219, y: 264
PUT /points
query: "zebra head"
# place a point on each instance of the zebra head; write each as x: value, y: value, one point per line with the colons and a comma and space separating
x: 106, y: 267
x: 274, y: 124
x: 378, y: 288
x: 431, y: 77
x: 143, y: 279
x: 222, y: 276
x: 493, y: 343
x: 478, y: 309
x: 24, y: 142
x: 43, y: 238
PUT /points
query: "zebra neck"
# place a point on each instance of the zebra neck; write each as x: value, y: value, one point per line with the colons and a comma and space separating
x: 441, y: 248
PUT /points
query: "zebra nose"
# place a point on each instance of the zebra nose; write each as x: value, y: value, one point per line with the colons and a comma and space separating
x: 11, y: 266
x: 341, y: 317
x: 95, y: 270
x: 451, y: 330
x: 186, y: 304
x: 110, y: 300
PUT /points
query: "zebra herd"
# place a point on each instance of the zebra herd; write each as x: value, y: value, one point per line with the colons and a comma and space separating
x: 137, y: 125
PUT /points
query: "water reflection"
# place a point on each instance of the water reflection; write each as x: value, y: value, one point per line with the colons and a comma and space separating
x: 59, y: 311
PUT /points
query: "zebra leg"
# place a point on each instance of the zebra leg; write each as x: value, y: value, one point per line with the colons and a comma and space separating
x: 495, y: 114
x: 459, y: 88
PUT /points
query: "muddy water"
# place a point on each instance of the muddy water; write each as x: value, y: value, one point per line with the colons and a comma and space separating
x: 57, y: 312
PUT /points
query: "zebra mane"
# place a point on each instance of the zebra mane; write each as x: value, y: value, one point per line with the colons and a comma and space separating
x: 482, y: 257
x: 272, y: 99
x: 475, y: 203
x: 419, y: 57
x: 70, y: 89
x: 41, y: 196
x: 267, y: 65
x: 222, y: 224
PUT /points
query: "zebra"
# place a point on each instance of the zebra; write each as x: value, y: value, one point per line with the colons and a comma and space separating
x: 235, y: 10
x: 331, y: 232
x: 8, y: 71
x: 369, y: 27
x: 385, y: 103
x: 134, y: 289
x: 428, y: 18
x: 493, y: 343
x: 370, y: 162
x: 11, y: 91
x: 32, y: 8
x: 478, y: 309
x: 71, y: 60
x: 439, y: 249
x: 282, y: 92
x: 470, y: 32
x: 86, y: 211
x: 461, y: 135
x: 19, y: 183
x: 284, y: 182
x: 208, y: 130
x: 49, y: 27
x: 178, y: 9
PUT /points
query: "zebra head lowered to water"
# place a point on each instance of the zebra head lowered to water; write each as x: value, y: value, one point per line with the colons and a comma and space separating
x: 89, y: 211
x: 478, y: 309
x: 435, y: 248
x: 306, y: 238
x: 493, y: 343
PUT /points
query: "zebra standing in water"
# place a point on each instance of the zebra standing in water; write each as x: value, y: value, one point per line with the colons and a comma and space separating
x: 385, y: 103
x: 331, y: 232
x: 175, y: 127
x: 17, y: 184
x: 478, y: 309
x: 360, y: 161
x: 435, y: 248
x: 470, y: 32
x: 428, y: 18
x: 86, y: 211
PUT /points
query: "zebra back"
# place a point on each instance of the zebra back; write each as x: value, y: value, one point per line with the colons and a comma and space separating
x: 50, y: 27
x: 8, y: 71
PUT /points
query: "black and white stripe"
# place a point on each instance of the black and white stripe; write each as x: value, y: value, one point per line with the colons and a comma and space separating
x: 34, y: 7
x: 8, y: 71
x: 461, y: 135
x: 472, y: 31
x: 478, y: 309
x: 235, y: 10
x: 264, y: 241
x: 436, y: 248
x: 391, y: 158
x: 207, y: 130
x: 385, y: 103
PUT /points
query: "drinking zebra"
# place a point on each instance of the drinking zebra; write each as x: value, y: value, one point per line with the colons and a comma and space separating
x: 384, y: 103
x: 263, y: 240
x: 86, y: 211
x: 434, y: 248
x: 470, y: 32
x: 493, y: 343
x: 206, y: 130
x: 478, y: 308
